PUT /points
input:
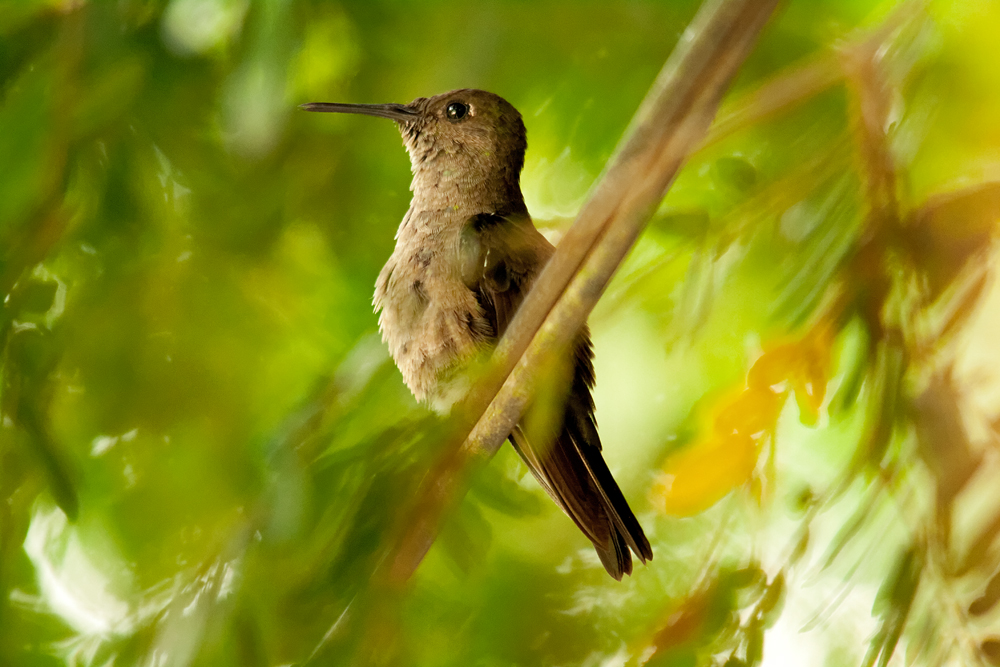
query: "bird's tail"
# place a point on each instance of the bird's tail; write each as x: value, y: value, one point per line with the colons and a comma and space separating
x: 578, y: 480
x: 573, y: 472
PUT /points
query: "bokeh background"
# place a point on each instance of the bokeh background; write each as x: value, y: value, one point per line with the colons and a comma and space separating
x: 205, y: 447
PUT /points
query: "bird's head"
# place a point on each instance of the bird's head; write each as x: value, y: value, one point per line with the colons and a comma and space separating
x: 462, y: 143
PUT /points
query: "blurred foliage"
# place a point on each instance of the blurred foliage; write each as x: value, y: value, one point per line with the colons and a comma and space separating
x: 204, y: 447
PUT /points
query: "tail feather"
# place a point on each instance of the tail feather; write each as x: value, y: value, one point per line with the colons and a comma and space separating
x: 573, y: 472
x: 625, y: 523
x: 566, y: 482
x: 617, y: 560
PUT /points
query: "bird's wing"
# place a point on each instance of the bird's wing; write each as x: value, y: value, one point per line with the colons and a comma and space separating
x: 501, y: 256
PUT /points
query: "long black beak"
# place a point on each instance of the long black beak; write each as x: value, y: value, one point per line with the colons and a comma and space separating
x: 397, y: 112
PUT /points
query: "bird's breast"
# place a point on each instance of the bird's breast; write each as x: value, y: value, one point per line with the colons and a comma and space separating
x: 430, y: 320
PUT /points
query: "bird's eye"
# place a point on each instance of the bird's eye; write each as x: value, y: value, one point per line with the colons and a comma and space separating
x: 456, y: 111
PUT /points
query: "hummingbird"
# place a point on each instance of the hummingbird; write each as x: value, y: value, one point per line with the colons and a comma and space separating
x: 466, y: 254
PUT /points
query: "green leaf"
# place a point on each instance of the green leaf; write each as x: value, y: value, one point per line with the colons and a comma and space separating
x: 893, y: 603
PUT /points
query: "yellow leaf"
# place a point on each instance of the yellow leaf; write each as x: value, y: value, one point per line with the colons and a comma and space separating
x: 775, y: 367
x: 813, y: 374
x: 696, y: 478
x: 753, y: 411
x: 802, y: 365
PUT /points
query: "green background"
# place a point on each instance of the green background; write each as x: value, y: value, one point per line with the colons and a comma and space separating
x: 204, y: 442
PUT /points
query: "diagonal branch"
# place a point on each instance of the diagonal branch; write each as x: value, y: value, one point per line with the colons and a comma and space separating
x: 668, y: 126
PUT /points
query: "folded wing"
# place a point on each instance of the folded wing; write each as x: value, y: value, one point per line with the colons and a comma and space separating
x: 501, y: 254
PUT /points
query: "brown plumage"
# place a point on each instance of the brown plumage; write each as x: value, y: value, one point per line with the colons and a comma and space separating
x: 466, y: 254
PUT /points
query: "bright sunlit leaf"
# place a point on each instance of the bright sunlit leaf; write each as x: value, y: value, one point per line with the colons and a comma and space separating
x: 697, y: 477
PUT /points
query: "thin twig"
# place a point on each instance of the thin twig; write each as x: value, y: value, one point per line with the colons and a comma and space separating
x: 797, y: 85
x: 801, y: 82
